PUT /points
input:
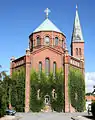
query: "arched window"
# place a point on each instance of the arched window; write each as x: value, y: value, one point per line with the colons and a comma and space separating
x: 47, y: 66
x: 38, y: 41
x: 40, y: 66
x: 76, y: 51
x: 47, y: 40
x: 54, y: 68
x: 56, y: 40
x: 79, y: 51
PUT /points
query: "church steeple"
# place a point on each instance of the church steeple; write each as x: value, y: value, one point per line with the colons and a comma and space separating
x: 77, y: 32
x: 77, y: 42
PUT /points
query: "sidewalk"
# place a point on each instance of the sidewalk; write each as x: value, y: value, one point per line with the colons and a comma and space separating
x: 81, y: 118
x: 7, y: 117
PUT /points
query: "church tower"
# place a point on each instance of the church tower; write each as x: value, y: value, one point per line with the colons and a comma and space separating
x: 77, y: 42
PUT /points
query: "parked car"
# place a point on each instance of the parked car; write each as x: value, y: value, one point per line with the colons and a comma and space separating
x: 10, y: 112
x: 89, y: 109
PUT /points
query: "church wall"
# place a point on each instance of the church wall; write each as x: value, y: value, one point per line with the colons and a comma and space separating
x: 41, y: 56
x: 51, y: 35
x: 16, y: 64
x: 78, y: 45
x: 76, y: 63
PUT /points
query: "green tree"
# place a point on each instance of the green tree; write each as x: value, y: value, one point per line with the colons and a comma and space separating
x: 2, y: 100
x: 7, y: 87
x: 2, y: 74
x: 4, y: 92
x: 18, y: 90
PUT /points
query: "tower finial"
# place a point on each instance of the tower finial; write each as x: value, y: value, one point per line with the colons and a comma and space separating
x: 76, y: 7
x: 47, y: 12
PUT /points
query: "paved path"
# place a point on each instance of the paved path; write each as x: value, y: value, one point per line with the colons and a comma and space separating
x: 48, y: 116
x: 7, y: 117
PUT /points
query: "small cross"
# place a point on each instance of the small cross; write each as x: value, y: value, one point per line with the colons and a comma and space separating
x: 47, y: 12
x: 76, y: 7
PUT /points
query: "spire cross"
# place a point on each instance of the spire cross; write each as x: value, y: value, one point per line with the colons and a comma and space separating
x: 47, y: 12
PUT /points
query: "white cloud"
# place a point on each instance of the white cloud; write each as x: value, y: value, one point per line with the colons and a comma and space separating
x: 89, y: 81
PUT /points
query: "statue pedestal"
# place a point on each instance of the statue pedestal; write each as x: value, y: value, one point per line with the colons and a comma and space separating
x: 47, y: 108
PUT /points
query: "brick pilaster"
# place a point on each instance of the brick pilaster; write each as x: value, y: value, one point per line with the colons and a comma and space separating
x: 27, y: 81
x: 66, y: 71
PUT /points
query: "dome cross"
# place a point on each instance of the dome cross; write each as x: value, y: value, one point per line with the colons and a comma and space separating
x: 47, y: 11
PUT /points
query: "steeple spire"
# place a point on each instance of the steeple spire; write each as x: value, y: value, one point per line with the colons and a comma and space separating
x: 77, y: 43
x: 77, y: 32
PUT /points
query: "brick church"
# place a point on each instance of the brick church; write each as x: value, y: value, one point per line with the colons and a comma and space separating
x: 47, y: 51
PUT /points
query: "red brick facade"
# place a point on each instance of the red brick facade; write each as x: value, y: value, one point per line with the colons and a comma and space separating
x: 55, y: 53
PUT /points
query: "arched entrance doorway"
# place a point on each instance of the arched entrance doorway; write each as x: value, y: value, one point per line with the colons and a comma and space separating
x: 47, y: 106
x: 47, y: 100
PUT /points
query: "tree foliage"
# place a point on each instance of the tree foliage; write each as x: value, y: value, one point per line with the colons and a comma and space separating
x: 2, y: 100
x: 18, y: 90
x: 4, y: 92
x: 77, y: 89
x: 12, y: 91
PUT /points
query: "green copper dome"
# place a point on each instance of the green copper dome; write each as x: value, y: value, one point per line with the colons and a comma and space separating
x: 47, y: 25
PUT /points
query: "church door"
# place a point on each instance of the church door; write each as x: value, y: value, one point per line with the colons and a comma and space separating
x: 47, y: 100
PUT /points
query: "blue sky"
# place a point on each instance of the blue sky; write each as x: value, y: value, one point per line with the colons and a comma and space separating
x: 18, y: 18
